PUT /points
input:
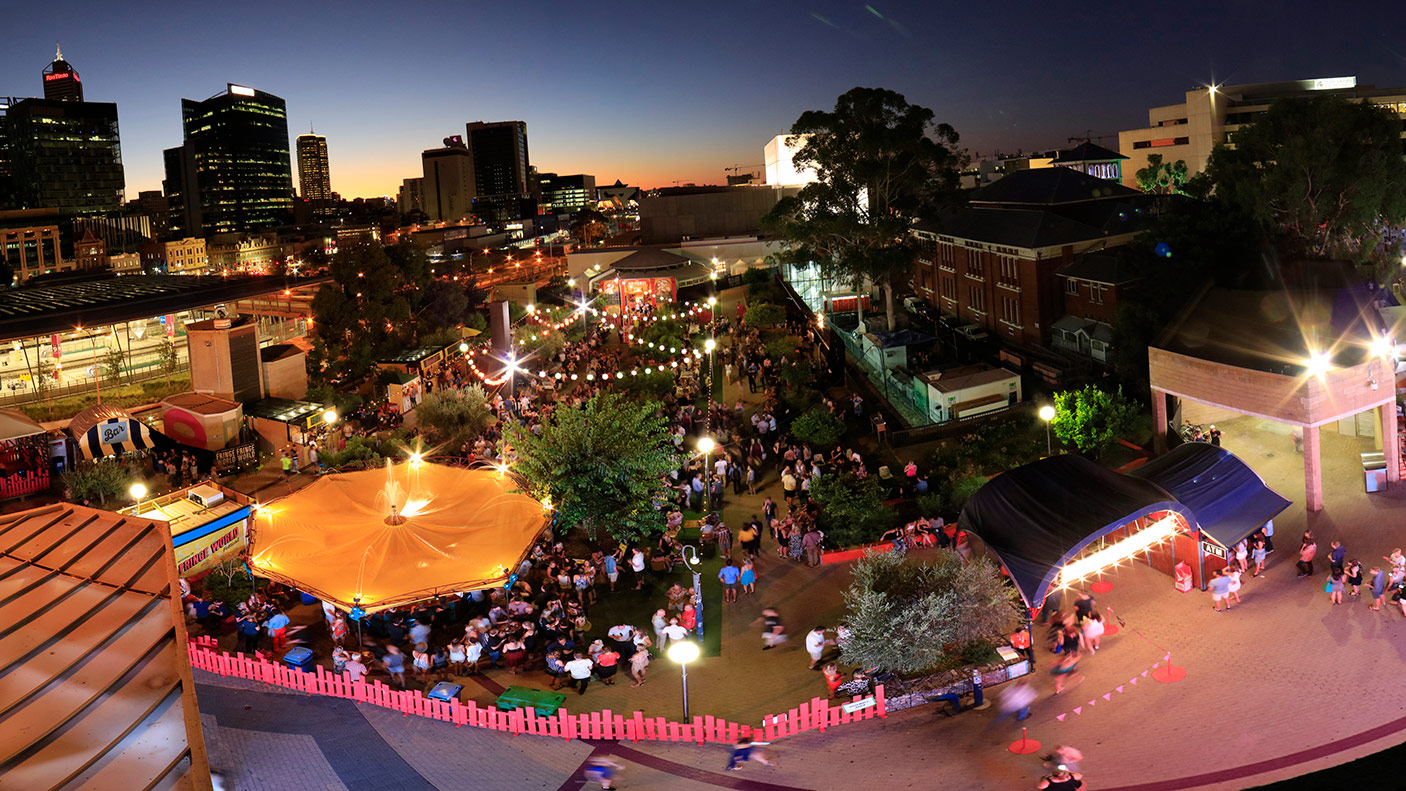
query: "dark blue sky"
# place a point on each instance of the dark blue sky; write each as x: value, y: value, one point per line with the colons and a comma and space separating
x: 658, y: 92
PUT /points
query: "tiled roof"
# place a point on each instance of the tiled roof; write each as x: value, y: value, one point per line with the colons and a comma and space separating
x: 1047, y: 187
x: 1028, y: 228
x: 1109, y: 267
x: 95, y: 690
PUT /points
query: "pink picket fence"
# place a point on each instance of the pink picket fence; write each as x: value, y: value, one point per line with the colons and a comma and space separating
x: 817, y: 714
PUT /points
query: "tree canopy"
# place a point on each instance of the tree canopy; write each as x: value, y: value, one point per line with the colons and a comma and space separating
x: 1162, y: 178
x: 1092, y: 419
x: 1324, y: 176
x: 851, y: 508
x: 603, y: 465
x: 910, y: 616
x: 588, y: 227
x: 880, y: 162
x: 449, y: 419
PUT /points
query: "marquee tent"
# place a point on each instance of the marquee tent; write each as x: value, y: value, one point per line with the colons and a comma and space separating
x: 1040, y: 517
x: 382, y: 538
x: 109, y: 431
x: 1229, y: 499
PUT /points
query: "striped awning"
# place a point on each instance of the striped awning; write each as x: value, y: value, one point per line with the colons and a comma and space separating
x: 114, y: 437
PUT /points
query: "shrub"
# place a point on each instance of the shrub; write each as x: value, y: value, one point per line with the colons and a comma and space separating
x: 818, y: 428
x: 764, y: 314
x: 783, y: 346
x: 908, y: 616
x: 852, y: 509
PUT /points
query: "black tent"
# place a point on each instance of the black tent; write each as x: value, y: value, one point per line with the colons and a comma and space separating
x: 1229, y: 499
x: 1039, y: 517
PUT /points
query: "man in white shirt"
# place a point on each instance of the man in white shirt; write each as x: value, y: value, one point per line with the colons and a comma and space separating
x: 673, y: 633
x: 355, y: 670
x: 637, y: 566
x: 579, y: 669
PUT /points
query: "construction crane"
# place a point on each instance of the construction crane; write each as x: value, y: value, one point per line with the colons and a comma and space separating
x: 742, y: 168
x: 1089, y: 137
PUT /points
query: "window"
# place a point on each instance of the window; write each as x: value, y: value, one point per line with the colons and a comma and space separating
x: 976, y: 267
x: 976, y: 299
x: 1096, y: 293
x: 1010, y: 271
x: 1071, y: 287
x: 949, y: 288
x: 1010, y: 310
x: 927, y: 249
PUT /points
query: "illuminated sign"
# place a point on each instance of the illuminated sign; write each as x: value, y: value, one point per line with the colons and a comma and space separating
x: 62, y: 75
x: 113, y: 433
x: 200, y: 548
x: 1332, y: 83
x: 240, y: 90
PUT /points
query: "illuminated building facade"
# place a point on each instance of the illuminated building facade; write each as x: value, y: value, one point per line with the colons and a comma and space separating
x: 31, y: 251
x: 567, y: 194
x: 61, y: 154
x: 239, y: 148
x: 314, y: 181
x: 61, y: 82
x: 500, y: 170
x: 1210, y: 115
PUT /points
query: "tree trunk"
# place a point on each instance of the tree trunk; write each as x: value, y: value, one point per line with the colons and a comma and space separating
x: 888, y: 303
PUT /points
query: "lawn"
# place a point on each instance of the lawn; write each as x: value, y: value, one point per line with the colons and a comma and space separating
x: 627, y: 605
x: 128, y: 395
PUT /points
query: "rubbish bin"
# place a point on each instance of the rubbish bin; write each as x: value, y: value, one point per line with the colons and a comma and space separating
x: 1374, y: 471
x: 300, y: 658
x: 445, y: 691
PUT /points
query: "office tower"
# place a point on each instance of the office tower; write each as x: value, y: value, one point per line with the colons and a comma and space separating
x: 239, y: 147
x: 61, y: 81
x: 448, y: 183
x: 182, y: 192
x: 154, y: 205
x: 314, y: 183
x: 62, y: 154
x: 567, y: 194
x: 500, y: 157
x: 411, y: 198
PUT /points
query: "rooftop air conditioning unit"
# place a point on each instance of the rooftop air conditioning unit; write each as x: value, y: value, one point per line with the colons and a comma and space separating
x: 206, y: 496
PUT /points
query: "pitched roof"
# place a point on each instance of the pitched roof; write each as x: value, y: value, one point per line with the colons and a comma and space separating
x: 1103, y: 266
x: 1087, y: 152
x: 15, y: 424
x: 97, y: 691
x: 649, y: 258
x: 1047, y: 187
x: 1028, y: 228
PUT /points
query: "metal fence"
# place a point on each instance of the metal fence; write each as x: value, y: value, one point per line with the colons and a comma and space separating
x: 895, y: 384
x: 27, y: 395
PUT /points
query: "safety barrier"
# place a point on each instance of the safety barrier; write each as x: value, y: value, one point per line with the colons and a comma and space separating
x: 817, y: 714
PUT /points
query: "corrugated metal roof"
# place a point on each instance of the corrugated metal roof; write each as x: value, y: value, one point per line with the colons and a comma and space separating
x: 95, y: 685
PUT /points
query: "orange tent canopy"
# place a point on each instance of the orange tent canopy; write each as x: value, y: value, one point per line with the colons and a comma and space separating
x: 453, y: 530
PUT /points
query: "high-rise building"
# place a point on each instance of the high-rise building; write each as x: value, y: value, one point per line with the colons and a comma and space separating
x: 60, y: 152
x: 448, y: 183
x: 500, y: 157
x: 156, y: 206
x: 61, y: 81
x: 411, y: 198
x: 182, y: 192
x: 314, y: 182
x: 239, y: 148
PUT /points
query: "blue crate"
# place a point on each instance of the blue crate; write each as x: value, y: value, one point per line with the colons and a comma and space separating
x: 300, y: 657
x: 445, y: 691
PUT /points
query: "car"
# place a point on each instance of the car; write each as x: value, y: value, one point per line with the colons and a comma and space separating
x: 974, y: 332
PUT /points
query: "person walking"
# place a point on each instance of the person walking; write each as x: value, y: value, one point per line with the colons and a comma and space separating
x: 741, y: 753
x: 278, y: 629
x: 1234, y: 574
x: 1061, y: 780
x: 600, y: 769
x: 773, y: 630
x: 748, y: 577
x: 815, y: 645
x: 1307, y: 551
x: 729, y: 576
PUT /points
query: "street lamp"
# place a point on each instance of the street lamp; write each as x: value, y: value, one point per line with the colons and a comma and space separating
x: 463, y: 348
x: 683, y: 652
x: 1047, y: 413
x: 709, y: 345
x: 329, y: 416
x: 138, y: 491
x: 706, y: 446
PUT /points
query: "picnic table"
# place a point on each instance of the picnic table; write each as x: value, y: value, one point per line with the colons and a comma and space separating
x: 544, y: 701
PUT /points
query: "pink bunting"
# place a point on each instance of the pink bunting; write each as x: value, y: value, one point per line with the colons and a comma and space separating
x: 1133, y: 681
x: 1156, y: 665
x: 1078, y: 709
x: 1168, y: 657
x: 1061, y: 717
x: 1107, y: 695
x: 1091, y: 703
x: 1144, y: 674
x: 1119, y: 688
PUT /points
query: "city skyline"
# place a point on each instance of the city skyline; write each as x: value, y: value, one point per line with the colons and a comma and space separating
x: 660, y: 96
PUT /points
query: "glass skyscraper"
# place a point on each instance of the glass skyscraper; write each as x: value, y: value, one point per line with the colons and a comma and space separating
x: 239, y: 143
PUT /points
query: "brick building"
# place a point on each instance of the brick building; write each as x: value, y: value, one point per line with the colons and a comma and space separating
x: 1093, y: 284
x: 997, y: 261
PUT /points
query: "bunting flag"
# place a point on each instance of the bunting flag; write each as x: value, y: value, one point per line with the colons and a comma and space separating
x: 1108, y: 695
x: 1090, y: 704
x: 1061, y: 717
x: 1078, y: 709
x: 1133, y: 681
x: 1144, y: 673
x: 1119, y: 688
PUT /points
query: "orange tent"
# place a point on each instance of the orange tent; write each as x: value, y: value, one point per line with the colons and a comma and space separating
x: 410, y: 532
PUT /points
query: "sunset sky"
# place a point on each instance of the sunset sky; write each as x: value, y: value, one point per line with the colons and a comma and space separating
x: 656, y: 93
